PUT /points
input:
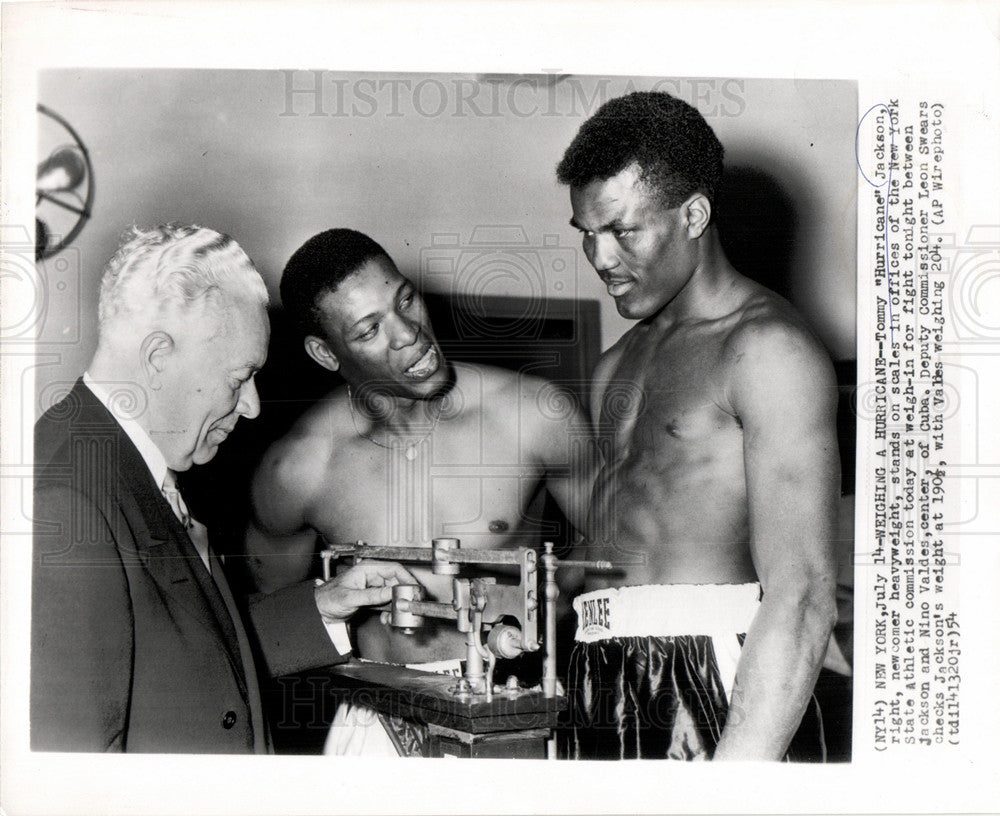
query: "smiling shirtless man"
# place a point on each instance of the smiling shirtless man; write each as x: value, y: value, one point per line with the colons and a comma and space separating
x: 410, y: 449
x: 723, y: 474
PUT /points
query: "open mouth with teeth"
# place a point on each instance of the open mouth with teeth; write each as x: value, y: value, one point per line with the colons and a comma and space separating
x: 425, y: 366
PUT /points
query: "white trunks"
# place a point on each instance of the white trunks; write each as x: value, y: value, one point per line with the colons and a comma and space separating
x: 357, y: 730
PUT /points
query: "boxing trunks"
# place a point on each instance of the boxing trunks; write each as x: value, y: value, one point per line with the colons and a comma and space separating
x: 653, y: 668
x: 358, y: 730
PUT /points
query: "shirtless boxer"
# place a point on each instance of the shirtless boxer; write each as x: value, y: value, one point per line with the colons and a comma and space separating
x: 723, y: 473
x: 410, y: 449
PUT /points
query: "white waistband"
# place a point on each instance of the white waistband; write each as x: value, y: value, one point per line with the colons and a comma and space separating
x: 666, y: 610
x: 453, y: 666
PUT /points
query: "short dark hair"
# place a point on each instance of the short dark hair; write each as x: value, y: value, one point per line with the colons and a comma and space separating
x: 319, y: 266
x: 677, y: 151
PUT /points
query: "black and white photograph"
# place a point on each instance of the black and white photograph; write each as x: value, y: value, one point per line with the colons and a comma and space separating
x: 565, y: 422
x: 442, y: 344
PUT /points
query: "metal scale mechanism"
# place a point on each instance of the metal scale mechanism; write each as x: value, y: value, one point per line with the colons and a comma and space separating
x: 468, y: 716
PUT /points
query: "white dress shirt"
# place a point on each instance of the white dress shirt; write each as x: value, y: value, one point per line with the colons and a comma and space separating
x: 157, y: 464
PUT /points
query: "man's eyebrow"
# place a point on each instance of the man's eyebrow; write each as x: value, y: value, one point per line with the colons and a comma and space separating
x: 614, y: 223
x: 369, y: 316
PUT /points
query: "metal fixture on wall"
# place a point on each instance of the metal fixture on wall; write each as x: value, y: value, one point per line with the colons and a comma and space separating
x: 64, y: 185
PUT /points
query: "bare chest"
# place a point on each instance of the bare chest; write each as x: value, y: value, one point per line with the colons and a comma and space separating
x: 673, y: 467
x: 463, y: 482
x: 669, y: 399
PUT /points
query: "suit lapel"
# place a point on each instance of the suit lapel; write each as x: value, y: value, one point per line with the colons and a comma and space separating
x: 172, y: 561
x: 161, y: 543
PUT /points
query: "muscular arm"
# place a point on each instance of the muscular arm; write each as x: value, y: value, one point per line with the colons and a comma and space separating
x: 279, y: 544
x: 562, y: 439
x: 602, y: 381
x: 784, y: 393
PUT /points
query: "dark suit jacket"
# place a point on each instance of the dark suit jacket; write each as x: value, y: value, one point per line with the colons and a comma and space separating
x: 134, y: 646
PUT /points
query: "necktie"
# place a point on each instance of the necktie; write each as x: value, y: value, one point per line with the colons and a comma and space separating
x: 196, y: 531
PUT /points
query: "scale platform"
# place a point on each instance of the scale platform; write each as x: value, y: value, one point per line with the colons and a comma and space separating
x: 515, y: 723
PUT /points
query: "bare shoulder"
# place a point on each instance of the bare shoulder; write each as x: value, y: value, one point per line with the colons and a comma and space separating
x: 608, y: 364
x: 503, y: 389
x: 491, y: 388
x: 769, y: 344
x: 298, y: 461
x: 769, y: 332
x: 605, y: 370
x: 608, y: 361
x: 544, y: 409
x: 486, y: 378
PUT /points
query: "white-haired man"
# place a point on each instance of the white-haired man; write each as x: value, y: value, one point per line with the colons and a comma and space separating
x: 137, y: 642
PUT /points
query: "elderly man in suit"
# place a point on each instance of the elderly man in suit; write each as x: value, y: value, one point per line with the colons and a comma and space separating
x: 137, y: 641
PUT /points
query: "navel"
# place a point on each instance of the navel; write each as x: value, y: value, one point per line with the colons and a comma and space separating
x: 499, y: 526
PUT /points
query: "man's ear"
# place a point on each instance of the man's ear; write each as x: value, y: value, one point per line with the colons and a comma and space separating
x: 318, y: 349
x: 697, y: 215
x: 154, y: 354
